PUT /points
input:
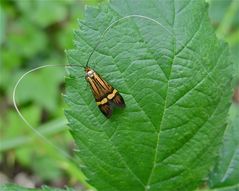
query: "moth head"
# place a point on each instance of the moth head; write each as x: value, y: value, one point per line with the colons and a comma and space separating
x: 89, y: 72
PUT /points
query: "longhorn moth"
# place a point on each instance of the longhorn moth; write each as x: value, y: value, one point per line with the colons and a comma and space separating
x: 106, y: 96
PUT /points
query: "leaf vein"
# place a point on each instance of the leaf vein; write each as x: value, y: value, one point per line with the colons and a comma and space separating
x: 197, y: 130
x: 198, y: 84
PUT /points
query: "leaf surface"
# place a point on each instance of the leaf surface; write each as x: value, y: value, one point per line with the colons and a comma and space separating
x: 174, y: 77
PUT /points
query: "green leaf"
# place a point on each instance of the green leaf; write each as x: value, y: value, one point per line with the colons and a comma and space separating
x: 217, y: 9
x: 13, y: 187
x: 46, y: 94
x: 234, y: 53
x: 225, y: 175
x: 43, y: 14
x: 48, y: 129
x: 3, y: 25
x: 13, y: 126
x: 220, y: 12
x: 175, y: 80
x: 46, y: 168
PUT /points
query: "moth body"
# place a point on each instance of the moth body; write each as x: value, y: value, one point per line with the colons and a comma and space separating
x: 105, y: 95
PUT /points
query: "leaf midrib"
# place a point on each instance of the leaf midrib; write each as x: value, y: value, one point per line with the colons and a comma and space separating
x: 147, y: 187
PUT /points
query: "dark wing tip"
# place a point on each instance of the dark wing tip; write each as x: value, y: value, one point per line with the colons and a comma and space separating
x: 118, y: 101
x: 106, y: 110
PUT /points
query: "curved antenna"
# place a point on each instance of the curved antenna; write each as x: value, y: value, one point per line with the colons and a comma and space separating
x: 40, y: 67
x: 54, y: 65
x: 70, y: 65
x: 147, y: 18
x: 115, y: 22
x: 23, y: 118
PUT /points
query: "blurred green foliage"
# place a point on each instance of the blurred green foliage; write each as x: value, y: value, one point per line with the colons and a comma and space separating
x: 224, y: 15
x: 35, y: 33
x: 32, y: 34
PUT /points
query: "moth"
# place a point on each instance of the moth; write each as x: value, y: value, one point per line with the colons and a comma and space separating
x: 105, y: 95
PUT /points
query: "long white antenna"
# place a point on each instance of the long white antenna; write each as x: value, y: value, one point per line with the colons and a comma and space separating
x: 51, y: 65
x: 23, y: 118
x: 150, y: 19
x: 123, y: 18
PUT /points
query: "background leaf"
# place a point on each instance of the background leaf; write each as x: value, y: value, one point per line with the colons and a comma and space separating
x: 226, y: 173
x: 174, y: 80
x: 13, y: 187
x: 32, y: 34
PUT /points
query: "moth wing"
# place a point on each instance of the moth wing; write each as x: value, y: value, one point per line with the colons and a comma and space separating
x: 106, y: 109
x: 118, y: 101
x: 100, y: 88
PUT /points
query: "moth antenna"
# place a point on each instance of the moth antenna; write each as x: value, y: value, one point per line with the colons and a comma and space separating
x: 54, y: 65
x: 150, y: 19
x: 87, y: 63
x: 23, y: 118
x: 69, y: 65
x: 115, y: 22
